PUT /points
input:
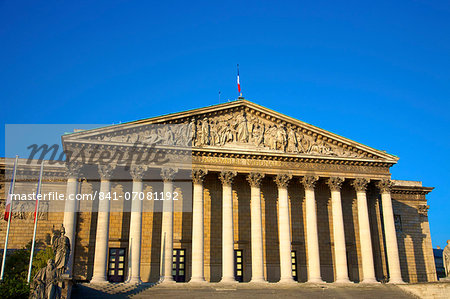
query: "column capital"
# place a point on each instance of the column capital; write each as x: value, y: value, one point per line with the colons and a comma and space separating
x: 335, y: 183
x: 168, y: 173
x: 137, y: 172
x: 198, y: 175
x: 106, y: 170
x: 282, y: 180
x: 227, y: 177
x: 360, y: 184
x: 385, y: 186
x: 73, y: 169
x: 309, y: 181
x: 254, y: 179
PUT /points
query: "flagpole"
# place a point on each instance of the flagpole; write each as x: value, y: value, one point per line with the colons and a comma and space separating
x: 36, y: 209
x: 11, y: 191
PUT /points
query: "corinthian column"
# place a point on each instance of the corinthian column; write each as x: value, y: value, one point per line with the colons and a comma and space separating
x: 136, y: 172
x: 312, y: 236
x: 395, y: 275
x: 198, y: 227
x: 340, y: 252
x: 365, y: 239
x: 284, y: 228
x: 70, y: 209
x: 256, y: 227
x: 227, y: 227
x: 102, y: 237
x: 167, y: 175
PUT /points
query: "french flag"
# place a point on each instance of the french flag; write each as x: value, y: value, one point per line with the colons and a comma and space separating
x: 238, y: 83
x: 11, y: 190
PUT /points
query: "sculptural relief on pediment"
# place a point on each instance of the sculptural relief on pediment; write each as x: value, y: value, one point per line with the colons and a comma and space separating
x: 238, y: 130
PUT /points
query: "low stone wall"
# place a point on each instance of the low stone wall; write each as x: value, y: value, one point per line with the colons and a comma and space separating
x: 431, y: 290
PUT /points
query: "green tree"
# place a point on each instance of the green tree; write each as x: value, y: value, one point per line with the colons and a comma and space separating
x: 14, y: 284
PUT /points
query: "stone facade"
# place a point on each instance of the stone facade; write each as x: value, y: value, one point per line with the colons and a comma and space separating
x: 316, y: 163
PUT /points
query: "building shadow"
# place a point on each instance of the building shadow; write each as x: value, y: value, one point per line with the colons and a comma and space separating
x: 272, y: 248
x: 297, y: 194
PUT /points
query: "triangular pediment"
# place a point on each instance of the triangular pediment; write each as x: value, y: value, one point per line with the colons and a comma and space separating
x: 240, y: 127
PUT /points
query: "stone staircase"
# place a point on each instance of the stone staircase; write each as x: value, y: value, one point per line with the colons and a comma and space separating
x: 243, y: 290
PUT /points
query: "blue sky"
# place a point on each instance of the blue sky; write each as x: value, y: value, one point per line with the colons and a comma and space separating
x: 377, y: 73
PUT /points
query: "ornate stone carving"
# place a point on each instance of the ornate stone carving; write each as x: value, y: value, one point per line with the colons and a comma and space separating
x: 446, y: 259
x: 73, y: 169
x: 236, y: 128
x: 24, y: 210
x: 227, y: 177
x: 335, y: 183
x: 385, y: 186
x: 198, y: 175
x: 106, y: 171
x: 61, y: 247
x: 360, y: 184
x: 282, y: 180
x: 137, y: 172
x: 309, y: 182
x: 254, y: 178
x: 168, y: 173
x: 423, y: 210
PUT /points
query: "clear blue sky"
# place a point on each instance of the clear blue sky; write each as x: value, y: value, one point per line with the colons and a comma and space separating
x: 375, y: 72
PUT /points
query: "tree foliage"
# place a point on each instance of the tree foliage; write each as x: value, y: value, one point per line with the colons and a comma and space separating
x: 14, y: 284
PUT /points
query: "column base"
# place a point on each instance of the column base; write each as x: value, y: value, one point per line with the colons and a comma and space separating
x: 167, y: 280
x: 343, y: 281
x: 228, y: 280
x: 369, y: 281
x: 197, y: 280
x: 134, y: 280
x: 258, y: 281
x: 396, y: 281
x: 99, y: 279
x: 286, y: 280
x: 315, y: 280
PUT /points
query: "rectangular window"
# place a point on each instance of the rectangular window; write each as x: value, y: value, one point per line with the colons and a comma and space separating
x: 116, y: 265
x: 178, y: 265
x: 294, y: 265
x: 238, y: 265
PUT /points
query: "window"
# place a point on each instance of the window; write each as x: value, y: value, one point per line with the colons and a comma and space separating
x: 294, y: 265
x: 116, y: 265
x: 238, y: 265
x: 179, y: 265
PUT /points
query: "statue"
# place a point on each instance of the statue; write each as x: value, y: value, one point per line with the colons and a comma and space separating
x: 61, y: 247
x: 446, y: 259
x: 242, y: 128
x: 45, y: 283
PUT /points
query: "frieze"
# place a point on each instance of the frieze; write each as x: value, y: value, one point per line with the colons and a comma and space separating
x: 302, y: 166
x: 239, y: 128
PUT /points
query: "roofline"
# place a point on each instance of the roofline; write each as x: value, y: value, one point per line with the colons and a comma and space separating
x: 392, y: 158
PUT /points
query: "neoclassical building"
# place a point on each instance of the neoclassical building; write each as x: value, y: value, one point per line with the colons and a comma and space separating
x: 264, y: 198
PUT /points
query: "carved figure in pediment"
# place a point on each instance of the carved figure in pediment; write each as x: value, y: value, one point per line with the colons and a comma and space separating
x: 292, y: 144
x: 151, y: 137
x: 270, y: 137
x: 242, y: 128
x: 204, y: 136
x: 281, y: 140
x: 258, y: 135
x: 166, y: 135
x: 192, y: 132
x: 227, y: 134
